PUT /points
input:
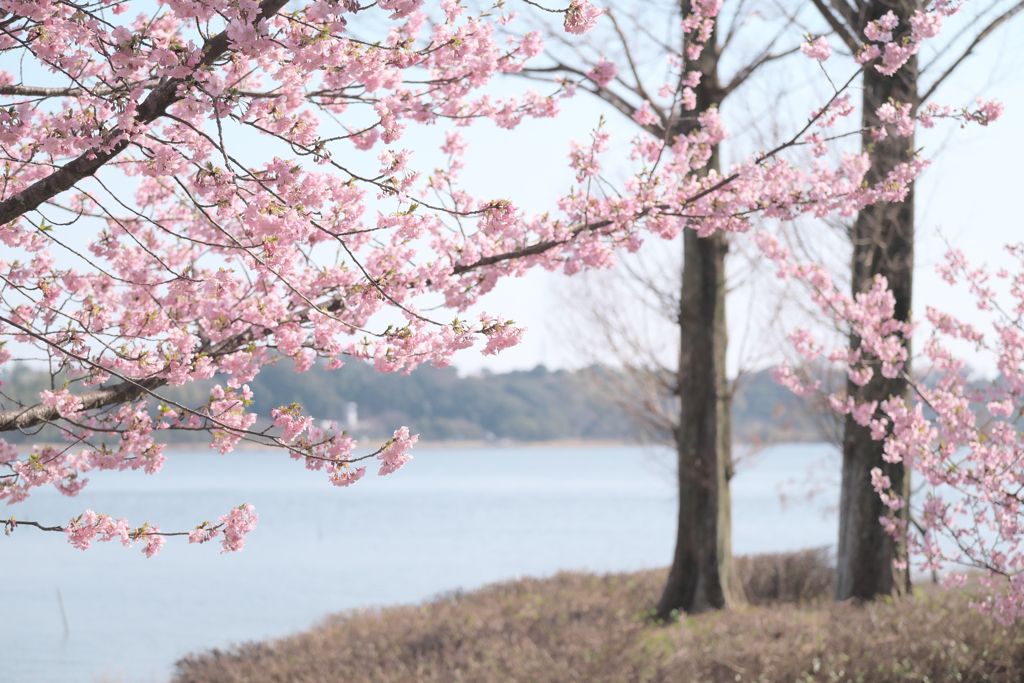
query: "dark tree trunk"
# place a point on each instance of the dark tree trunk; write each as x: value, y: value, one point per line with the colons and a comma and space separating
x: 883, y: 244
x: 702, y: 576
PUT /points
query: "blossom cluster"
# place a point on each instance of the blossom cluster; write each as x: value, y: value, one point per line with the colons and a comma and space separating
x: 896, y: 44
x: 581, y: 17
x: 90, y: 526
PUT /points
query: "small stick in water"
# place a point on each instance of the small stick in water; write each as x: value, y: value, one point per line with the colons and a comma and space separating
x: 63, y: 615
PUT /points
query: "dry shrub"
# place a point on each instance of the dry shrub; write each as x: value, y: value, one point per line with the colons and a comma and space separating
x: 931, y: 636
x: 571, y: 627
x: 579, y: 627
x: 802, y: 576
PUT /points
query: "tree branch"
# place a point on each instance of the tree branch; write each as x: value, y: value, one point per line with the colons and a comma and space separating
x: 985, y: 33
x: 841, y: 30
x: 129, y: 389
x: 33, y: 91
x: 152, y: 108
x: 747, y: 71
x: 639, y: 88
x: 531, y: 250
x: 31, y: 416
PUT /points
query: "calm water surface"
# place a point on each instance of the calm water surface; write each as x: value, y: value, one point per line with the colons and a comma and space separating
x: 450, y: 519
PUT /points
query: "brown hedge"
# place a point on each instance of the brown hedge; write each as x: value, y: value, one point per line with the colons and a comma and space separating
x: 581, y: 627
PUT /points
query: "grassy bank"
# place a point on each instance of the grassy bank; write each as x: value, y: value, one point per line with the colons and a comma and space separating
x: 582, y: 627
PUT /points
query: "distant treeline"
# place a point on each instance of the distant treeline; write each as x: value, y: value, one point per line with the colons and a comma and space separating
x: 534, y: 405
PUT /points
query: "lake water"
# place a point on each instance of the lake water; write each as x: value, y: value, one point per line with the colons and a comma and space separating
x: 451, y: 519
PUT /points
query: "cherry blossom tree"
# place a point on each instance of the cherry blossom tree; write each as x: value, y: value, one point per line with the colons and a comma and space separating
x: 140, y: 124
x: 882, y: 238
x: 962, y: 437
x: 222, y: 153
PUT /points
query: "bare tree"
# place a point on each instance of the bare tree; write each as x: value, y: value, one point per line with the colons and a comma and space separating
x: 702, y: 575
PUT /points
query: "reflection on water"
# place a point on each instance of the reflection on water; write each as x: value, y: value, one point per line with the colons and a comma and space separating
x: 450, y: 519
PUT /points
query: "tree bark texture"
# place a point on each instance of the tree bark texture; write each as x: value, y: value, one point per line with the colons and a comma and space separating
x: 883, y: 244
x: 702, y: 576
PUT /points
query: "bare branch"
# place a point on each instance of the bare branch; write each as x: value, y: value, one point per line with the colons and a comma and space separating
x: 747, y: 71
x: 33, y: 91
x: 639, y: 88
x: 985, y: 33
x: 844, y: 31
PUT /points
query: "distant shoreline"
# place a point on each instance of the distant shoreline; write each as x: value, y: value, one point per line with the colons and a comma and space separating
x: 453, y: 444
x: 456, y: 444
x: 509, y: 443
x: 374, y: 442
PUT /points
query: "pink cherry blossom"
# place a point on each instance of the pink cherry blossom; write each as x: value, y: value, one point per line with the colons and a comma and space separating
x: 603, y: 72
x: 818, y: 49
x: 644, y: 116
x: 395, y: 453
x: 581, y: 16
x: 237, y: 523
